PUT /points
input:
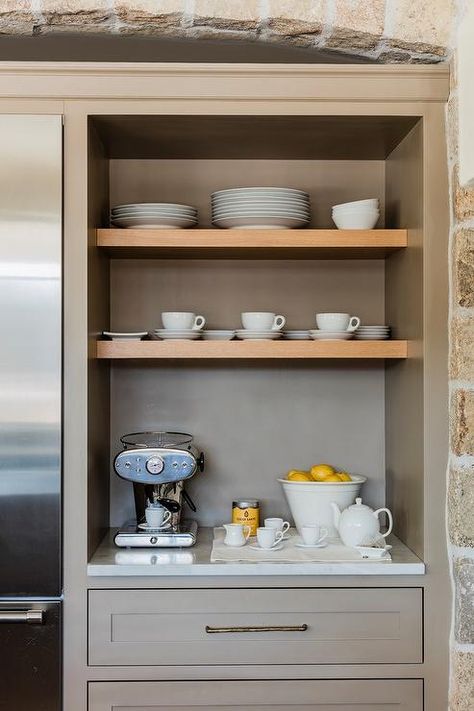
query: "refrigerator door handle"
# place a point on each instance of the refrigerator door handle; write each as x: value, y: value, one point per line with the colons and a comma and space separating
x: 31, y: 617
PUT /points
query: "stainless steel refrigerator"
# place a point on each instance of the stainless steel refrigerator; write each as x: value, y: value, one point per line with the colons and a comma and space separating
x: 30, y: 411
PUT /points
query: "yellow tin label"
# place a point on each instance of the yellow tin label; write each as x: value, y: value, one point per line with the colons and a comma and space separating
x: 248, y: 516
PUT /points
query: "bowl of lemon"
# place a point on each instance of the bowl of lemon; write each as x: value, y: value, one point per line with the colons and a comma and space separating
x: 310, y: 493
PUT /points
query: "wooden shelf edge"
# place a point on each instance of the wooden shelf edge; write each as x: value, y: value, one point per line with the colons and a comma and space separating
x: 222, y: 350
x: 251, y: 239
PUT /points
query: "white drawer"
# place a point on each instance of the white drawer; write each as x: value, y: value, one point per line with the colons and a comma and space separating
x: 255, y: 626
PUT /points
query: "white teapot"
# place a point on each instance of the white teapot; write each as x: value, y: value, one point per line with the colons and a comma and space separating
x: 359, y: 524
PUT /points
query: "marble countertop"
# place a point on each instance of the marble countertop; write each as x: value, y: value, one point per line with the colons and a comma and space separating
x: 108, y: 560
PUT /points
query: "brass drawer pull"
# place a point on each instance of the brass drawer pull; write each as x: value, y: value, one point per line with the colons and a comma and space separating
x: 263, y: 628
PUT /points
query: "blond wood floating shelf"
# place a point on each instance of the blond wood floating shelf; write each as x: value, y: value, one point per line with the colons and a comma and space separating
x: 187, y: 350
x: 215, y: 243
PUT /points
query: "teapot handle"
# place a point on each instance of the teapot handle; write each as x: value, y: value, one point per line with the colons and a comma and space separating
x: 390, y: 520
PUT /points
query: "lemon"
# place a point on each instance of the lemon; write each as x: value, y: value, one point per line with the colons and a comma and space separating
x: 320, y: 472
x: 344, y: 476
x: 296, y: 475
x: 333, y: 477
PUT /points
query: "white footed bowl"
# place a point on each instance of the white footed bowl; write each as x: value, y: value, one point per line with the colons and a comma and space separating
x: 310, y: 502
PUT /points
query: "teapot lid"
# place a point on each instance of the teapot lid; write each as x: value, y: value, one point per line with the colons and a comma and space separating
x: 359, y: 505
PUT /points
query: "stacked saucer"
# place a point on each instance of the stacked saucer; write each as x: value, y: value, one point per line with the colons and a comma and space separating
x: 153, y: 215
x: 167, y: 334
x: 125, y: 335
x: 296, y: 335
x: 319, y: 335
x: 245, y: 334
x: 260, y: 208
x: 218, y: 335
x: 372, y: 333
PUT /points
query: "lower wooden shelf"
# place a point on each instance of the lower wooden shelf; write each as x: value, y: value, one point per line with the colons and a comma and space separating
x: 187, y: 350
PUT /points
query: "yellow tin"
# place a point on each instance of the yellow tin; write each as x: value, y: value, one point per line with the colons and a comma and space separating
x: 247, y: 511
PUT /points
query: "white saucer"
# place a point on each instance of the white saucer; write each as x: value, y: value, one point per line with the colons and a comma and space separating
x: 215, y: 335
x: 126, y: 336
x: 296, y: 335
x: 166, y: 334
x: 256, y: 547
x: 247, y: 334
x: 323, y: 544
x: 331, y: 335
x: 147, y: 527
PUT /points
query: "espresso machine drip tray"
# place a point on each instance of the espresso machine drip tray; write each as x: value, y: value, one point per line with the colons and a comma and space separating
x: 181, y: 536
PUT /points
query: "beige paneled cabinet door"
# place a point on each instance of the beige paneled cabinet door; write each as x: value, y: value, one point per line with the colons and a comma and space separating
x: 321, y: 695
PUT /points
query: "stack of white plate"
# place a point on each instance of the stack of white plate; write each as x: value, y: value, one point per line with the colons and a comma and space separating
x: 319, y: 335
x: 245, y: 334
x: 153, y: 215
x: 168, y: 334
x: 372, y: 333
x: 296, y: 335
x: 260, y: 208
x: 357, y: 215
x: 218, y: 335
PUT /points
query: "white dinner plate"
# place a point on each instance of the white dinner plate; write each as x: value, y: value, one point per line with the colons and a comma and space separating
x: 153, y: 213
x: 125, y: 336
x: 323, y: 544
x: 154, y: 206
x: 258, y: 190
x: 218, y: 214
x: 256, y: 547
x: 215, y: 335
x: 331, y: 336
x: 262, y: 197
x: 249, y: 222
x: 161, y: 222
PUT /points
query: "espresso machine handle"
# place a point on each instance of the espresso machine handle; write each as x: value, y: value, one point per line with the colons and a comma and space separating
x: 189, y: 500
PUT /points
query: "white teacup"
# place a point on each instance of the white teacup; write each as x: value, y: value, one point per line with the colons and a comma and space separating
x: 268, y: 537
x: 182, y: 321
x: 157, y: 516
x: 278, y: 524
x: 312, y: 535
x: 337, y: 322
x: 262, y: 321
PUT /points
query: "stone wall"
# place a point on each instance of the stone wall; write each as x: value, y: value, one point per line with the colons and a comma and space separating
x: 461, y: 459
x: 390, y: 30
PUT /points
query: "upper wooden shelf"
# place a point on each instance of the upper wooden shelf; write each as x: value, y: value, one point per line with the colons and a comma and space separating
x: 186, y: 350
x: 260, y: 244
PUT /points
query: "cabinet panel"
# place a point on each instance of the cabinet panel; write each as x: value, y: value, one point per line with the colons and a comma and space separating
x: 326, y: 695
x: 330, y: 626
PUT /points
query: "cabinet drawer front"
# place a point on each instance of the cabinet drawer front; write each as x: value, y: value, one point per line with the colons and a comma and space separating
x: 311, y: 626
x: 327, y: 695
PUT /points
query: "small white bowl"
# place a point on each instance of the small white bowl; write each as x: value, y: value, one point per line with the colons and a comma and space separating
x: 356, y: 220
x: 372, y: 203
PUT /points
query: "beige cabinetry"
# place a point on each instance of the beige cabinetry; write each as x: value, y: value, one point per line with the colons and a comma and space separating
x: 177, y: 133
x: 212, y: 626
x: 324, y: 695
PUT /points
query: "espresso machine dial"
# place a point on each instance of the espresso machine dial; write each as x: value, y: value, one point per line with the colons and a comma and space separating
x: 155, y: 465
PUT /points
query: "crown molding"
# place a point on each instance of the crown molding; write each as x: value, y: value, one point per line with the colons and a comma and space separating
x: 293, y: 82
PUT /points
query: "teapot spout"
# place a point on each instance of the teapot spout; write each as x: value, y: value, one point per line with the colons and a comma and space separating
x: 336, y: 514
